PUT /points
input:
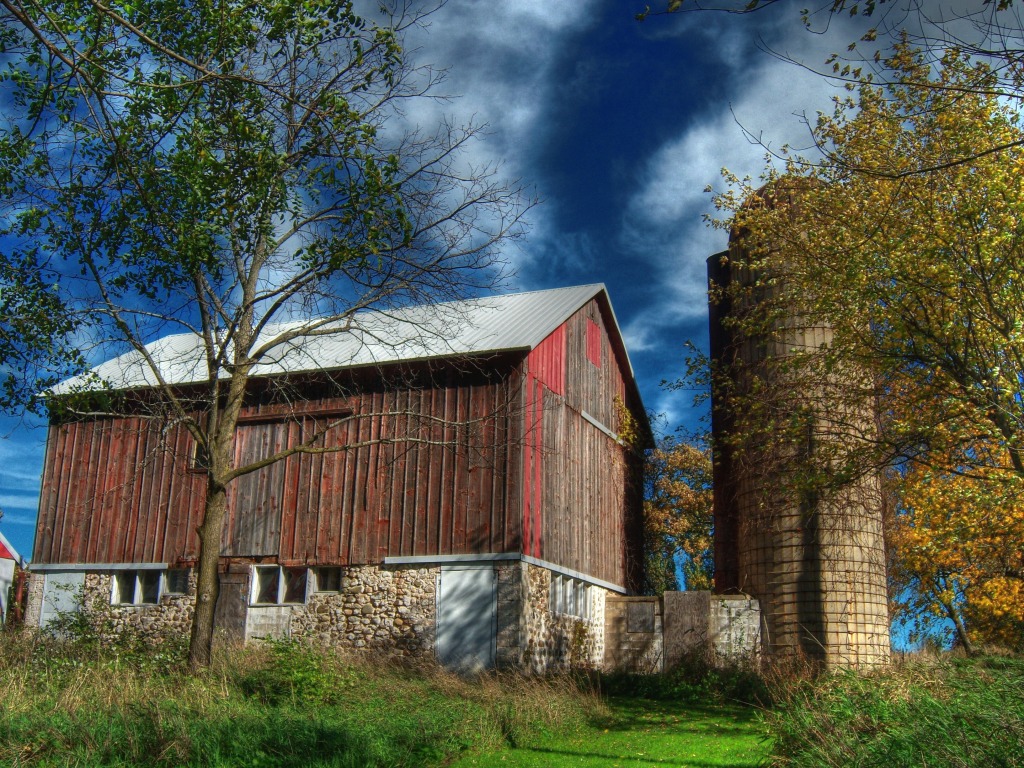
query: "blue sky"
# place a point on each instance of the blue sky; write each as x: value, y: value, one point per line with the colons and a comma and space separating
x: 618, y: 127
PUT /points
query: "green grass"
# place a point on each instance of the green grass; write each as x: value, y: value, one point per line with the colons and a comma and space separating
x: 638, y: 732
x: 87, y: 704
x: 279, y: 705
x: 951, y: 712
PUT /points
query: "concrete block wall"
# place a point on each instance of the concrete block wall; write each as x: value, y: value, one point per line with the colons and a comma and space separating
x: 654, y: 634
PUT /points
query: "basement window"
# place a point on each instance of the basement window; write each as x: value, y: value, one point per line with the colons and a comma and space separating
x: 328, y: 579
x: 176, y: 581
x: 276, y: 585
x: 136, y: 588
x: 569, y: 597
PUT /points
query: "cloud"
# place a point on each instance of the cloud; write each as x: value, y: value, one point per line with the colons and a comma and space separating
x: 664, y: 222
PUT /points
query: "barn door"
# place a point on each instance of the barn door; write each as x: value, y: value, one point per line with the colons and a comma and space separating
x: 467, y: 617
x: 62, y: 594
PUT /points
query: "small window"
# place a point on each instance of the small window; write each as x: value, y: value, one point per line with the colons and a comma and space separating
x: 274, y: 585
x: 136, y: 588
x: 569, y: 596
x: 199, y: 458
x: 176, y: 581
x: 328, y: 579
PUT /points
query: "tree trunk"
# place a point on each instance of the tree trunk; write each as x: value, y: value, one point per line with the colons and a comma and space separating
x: 208, y: 578
x: 961, y: 630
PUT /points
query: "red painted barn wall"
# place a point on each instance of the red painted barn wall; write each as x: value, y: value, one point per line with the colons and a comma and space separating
x: 117, y: 490
x: 424, y: 472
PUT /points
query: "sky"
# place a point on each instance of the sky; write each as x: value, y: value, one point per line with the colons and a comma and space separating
x: 617, y: 127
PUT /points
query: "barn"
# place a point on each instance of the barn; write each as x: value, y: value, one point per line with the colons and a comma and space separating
x: 478, y: 504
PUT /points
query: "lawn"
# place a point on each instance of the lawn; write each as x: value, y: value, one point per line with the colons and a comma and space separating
x: 641, y: 732
x: 285, y: 704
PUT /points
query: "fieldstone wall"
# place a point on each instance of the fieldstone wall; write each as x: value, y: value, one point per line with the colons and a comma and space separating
x: 556, y: 642
x: 170, y: 618
x: 389, y: 610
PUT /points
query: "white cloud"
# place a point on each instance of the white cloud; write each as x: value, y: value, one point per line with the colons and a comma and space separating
x: 664, y: 221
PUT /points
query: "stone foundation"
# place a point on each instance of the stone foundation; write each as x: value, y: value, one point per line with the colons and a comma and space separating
x: 387, y: 610
x: 558, y: 642
x: 171, y: 617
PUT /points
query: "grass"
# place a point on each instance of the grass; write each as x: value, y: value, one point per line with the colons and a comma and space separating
x: 953, y: 712
x: 636, y: 732
x: 87, y: 704
x: 277, y: 705
x: 697, y: 716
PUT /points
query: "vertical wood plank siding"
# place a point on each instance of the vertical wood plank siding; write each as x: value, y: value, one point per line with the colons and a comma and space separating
x: 427, y: 471
x: 583, y: 501
x: 117, y: 490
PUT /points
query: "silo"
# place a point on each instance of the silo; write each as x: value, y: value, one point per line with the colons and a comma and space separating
x: 811, y: 552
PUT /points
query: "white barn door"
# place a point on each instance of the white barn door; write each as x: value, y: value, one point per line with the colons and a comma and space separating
x: 467, y: 617
x: 62, y: 593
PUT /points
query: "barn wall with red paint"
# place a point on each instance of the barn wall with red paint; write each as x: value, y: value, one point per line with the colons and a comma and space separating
x: 582, y: 489
x: 423, y: 467
x: 117, y: 490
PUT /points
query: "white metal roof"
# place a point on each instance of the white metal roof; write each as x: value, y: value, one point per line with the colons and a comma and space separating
x: 7, y: 549
x: 517, y: 321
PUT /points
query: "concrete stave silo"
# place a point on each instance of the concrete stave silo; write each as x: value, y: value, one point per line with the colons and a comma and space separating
x: 812, y: 553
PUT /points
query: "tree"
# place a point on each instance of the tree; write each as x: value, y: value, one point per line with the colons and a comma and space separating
x: 957, y: 552
x: 221, y: 168
x: 915, y: 275
x: 678, y: 516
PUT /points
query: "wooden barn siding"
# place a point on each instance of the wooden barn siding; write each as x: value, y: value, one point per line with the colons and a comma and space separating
x: 585, y: 498
x: 588, y: 387
x: 582, y: 494
x: 403, y: 494
x: 113, y: 492
x: 117, y: 490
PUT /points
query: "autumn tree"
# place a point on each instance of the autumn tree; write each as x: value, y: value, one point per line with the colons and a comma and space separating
x: 232, y: 170
x: 915, y: 275
x: 916, y: 278
x: 957, y: 550
x: 678, y: 516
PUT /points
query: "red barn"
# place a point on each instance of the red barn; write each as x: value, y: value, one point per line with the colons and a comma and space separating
x: 479, y: 507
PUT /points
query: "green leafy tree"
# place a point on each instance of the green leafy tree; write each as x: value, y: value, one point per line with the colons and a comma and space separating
x: 220, y: 167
